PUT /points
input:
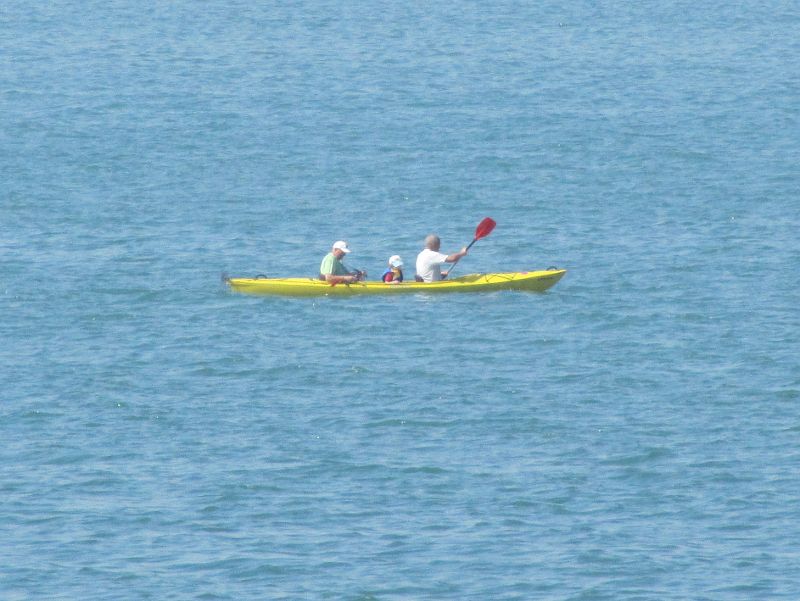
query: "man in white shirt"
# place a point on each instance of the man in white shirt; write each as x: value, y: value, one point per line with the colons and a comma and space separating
x: 429, y: 261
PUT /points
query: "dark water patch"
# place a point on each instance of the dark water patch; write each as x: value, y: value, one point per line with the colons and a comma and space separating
x: 645, y: 457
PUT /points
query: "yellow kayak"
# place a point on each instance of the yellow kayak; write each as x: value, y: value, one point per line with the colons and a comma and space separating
x: 531, y: 281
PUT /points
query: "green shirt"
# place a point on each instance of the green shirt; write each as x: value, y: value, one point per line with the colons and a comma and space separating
x: 332, y: 266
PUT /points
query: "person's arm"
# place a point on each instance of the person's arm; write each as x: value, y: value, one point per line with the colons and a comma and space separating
x: 454, y: 259
x: 339, y: 279
x: 456, y: 256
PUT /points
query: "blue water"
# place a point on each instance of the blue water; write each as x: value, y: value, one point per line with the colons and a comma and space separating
x: 632, y: 434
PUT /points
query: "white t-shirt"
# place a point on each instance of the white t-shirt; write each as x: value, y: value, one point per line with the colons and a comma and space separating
x: 428, y: 265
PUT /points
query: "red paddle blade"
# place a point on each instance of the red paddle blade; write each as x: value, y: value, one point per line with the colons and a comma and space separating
x: 484, y: 228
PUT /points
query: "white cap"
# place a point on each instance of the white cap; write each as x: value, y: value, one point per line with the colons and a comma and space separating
x: 395, y: 261
x: 341, y: 245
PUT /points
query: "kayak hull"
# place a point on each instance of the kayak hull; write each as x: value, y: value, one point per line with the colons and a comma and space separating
x: 530, y: 281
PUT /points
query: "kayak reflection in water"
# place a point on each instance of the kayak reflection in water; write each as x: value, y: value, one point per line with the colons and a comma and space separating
x: 430, y: 260
x: 333, y: 271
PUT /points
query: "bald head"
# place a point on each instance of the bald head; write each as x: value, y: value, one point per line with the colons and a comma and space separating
x: 432, y: 242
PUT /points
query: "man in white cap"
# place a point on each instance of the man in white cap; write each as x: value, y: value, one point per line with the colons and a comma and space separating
x: 332, y: 270
x: 429, y: 261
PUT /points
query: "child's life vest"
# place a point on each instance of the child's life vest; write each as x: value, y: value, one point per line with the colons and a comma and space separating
x: 392, y: 275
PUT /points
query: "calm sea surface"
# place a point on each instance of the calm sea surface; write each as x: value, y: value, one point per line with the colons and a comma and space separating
x: 632, y: 434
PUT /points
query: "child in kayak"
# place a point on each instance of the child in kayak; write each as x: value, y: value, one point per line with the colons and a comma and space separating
x: 394, y: 274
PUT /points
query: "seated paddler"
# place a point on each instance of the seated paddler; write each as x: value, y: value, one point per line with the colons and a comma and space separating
x: 430, y: 260
x: 394, y: 274
x: 333, y: 271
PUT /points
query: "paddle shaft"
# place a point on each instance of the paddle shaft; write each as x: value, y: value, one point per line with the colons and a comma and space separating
x: 449, y: 271
x: 484, y: 228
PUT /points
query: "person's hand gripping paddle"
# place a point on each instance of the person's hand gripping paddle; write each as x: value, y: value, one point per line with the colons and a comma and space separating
x: 484, y: 228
